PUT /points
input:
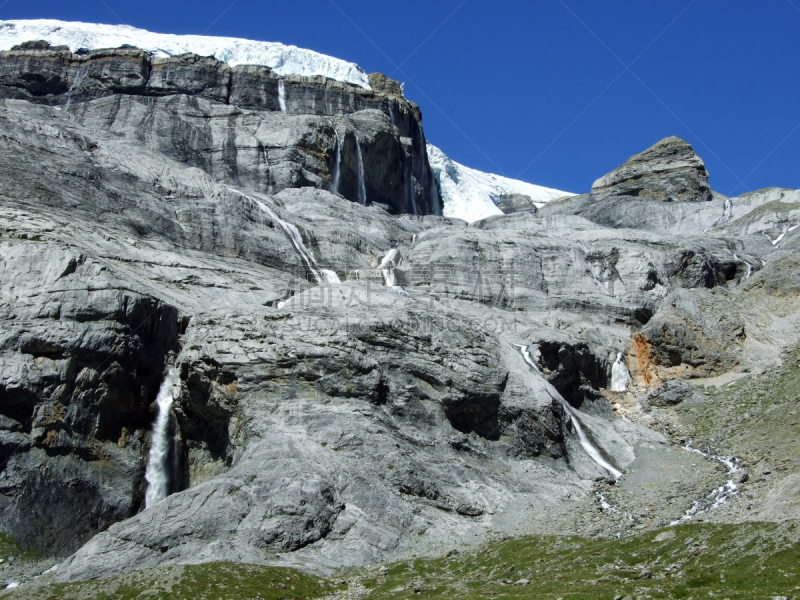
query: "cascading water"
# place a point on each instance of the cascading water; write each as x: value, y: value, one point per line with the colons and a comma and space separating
x: 749, y: 267
x: 590, y: 449
x: 718, y: 496
x: 282, y: 96
x: 338, y: 168
x: 321, y: 276
x: 434, y: 192
x: 412, y: 201
x: 391, y: 114
x: 620, y: 376
x: 744, y: 262
x: 389, y: 262
x: 362, y: 186
x: 157, y: 473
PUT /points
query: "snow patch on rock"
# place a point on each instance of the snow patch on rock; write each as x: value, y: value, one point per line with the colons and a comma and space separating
x: 472, y: 195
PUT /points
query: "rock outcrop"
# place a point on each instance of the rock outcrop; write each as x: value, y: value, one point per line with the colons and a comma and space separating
x: 669, y: 171
x: 635, y: 195
x: 514, y: 203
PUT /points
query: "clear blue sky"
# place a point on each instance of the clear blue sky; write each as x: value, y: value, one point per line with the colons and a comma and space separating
x: 538, y: 90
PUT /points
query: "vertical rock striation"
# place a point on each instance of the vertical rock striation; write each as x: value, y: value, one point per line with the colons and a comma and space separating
x: 225, y: 119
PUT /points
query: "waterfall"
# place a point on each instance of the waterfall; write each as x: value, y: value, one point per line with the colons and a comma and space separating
x: 391, y: 114
x: 388, y: 278
x: 362, y: 187
x: 436, y: 208
x: 390, y: 261
x: 744, y: 262
x: 282, y: 96
x: 269, y: 170
x: 412, y: 202
x: 157, y: 473
x: 727, y: 210
x: 330, y: 277
x: 620, y: 376
x: 337, y: 171
x: 321, y: 276
x: 590, y: 449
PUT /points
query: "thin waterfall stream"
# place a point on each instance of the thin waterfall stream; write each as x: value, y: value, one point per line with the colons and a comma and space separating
x: 269, y: 170
x: 593, y: 452
x: 337, y: 171
x: 389, y: 262
x: 362, y: 187
x: 282, y: 96
x: 321, y: 276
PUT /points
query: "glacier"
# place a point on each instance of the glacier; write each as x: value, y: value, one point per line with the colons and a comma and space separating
x: 472, y: 195
x: 284, y: 60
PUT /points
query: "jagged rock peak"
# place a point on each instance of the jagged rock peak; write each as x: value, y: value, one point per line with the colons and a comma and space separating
x: 670, y: 170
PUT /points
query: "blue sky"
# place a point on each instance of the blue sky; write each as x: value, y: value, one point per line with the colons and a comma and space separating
x: 539, y: 90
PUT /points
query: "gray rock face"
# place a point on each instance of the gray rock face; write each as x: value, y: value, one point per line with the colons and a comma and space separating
x: 228, y: 121
x: 367, y: 396
x: 634, y: 194
x: 76, y: 393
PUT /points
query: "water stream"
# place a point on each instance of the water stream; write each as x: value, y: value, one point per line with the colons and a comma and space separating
x: 269, y: 170
x: 282, y: 96
x: 620, y: 376
x: 718, y: 496
x: 593, y: 452
x: 362, y: 187
x: 321, y: 276
x: 79, y: 77
x: 337, y: 170
x: 157, y: 473
x: 389, y: 262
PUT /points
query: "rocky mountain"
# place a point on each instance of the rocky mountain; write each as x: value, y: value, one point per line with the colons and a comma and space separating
x: 238, y: 327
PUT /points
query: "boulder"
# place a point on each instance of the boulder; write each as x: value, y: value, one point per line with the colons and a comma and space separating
x: 673, y: 393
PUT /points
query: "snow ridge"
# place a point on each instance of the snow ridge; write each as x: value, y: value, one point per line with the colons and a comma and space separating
x: 284, y: 60
x: 472, y: 195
